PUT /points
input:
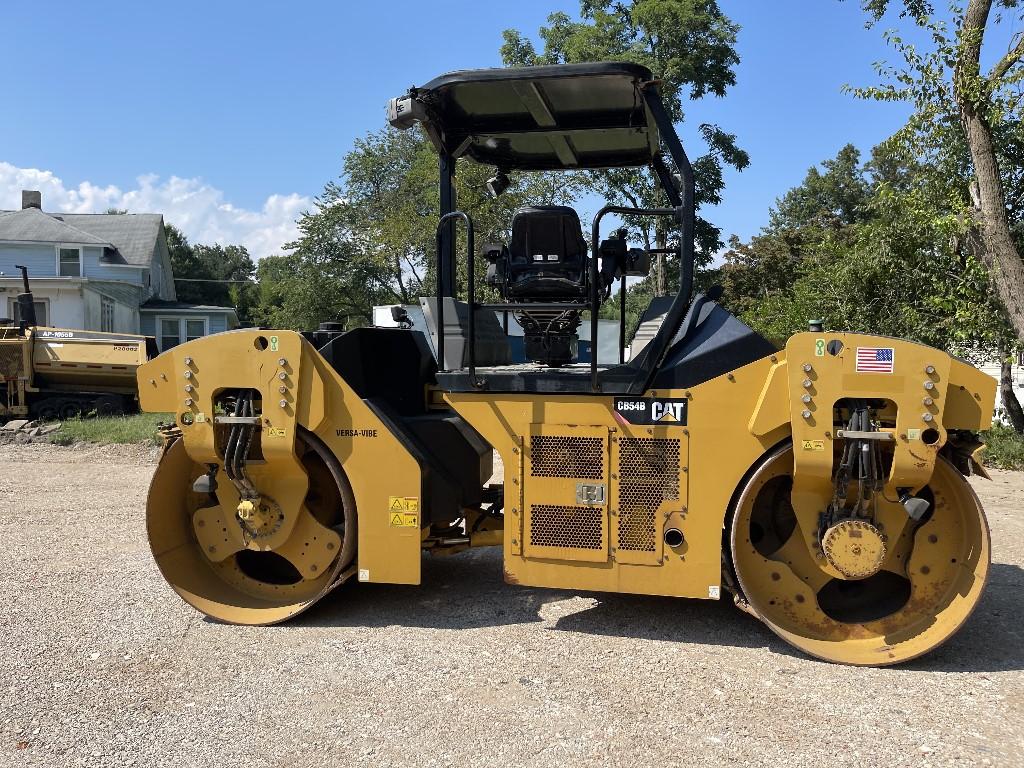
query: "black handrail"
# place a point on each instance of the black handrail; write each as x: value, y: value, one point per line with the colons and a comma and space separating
x: 686, y: 200
x: 441, y: 285
x: 594, y: 293
x: 622, y: 319
x: 595, y: 303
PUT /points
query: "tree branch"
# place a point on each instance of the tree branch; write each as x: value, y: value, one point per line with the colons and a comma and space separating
x: 1004, y: 64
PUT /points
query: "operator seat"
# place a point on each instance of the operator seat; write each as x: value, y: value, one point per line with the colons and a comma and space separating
x: 547, y: 258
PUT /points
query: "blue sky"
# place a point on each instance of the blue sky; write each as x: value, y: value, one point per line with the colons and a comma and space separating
x: 228, y: 117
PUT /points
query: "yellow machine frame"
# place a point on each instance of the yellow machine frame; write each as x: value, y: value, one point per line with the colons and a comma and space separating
x: 300, y: 390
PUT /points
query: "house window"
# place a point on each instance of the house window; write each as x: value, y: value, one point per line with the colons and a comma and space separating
x: 106, y: 314
x: 170, y: 333
x: 69, y: 262
x: 174, y: 330
x: 194, y: 329
x: 42, y: 308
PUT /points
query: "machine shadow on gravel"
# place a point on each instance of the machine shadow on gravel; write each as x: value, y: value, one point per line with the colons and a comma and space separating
x: 466, y: 591
x: 992, y: 640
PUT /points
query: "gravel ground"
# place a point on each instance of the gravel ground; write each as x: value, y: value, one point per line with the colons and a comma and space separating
x: 101, y: 664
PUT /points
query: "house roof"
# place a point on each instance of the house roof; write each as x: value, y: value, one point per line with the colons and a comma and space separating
x: 134, y: 235
x: 161, y: 305
x: 32, y: 225
x: 131, y: 237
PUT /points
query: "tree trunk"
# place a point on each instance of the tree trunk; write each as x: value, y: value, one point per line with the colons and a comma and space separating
x: 999, y: 252
x: 1014, y: 412
x: 660, y: 277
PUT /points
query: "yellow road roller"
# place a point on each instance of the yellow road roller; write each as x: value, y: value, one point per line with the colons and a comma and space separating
x: 822, y: 485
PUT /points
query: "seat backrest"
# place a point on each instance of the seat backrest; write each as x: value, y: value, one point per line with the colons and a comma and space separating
x: 548, y: 234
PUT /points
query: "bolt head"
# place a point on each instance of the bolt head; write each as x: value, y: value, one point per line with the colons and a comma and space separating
x: 808, y: 384
x: 928, y: 417
x: 282, y: 375
x: 188, y: 401
x: 929, y: 385
x: 806, y: 414
x: 282, y: 390
x: 188, y: 374
x: 808, y: 368
x: 929, y: 369
x: 282, y: 362
x: 929, y: 401
x: 806, y: 398
x: 283, y: 403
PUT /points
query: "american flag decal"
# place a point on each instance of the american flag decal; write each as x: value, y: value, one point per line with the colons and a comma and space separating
x: 874, y: 359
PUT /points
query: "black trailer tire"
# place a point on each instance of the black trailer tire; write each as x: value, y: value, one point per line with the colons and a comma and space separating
x: 109, y: 405
x: 47, y: 410
x: 70, y: 409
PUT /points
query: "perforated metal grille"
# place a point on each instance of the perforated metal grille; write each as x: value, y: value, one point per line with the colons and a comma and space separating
x: 562, y: 456
x: 10, y: 361
x: 566, y: 527
x: 648, y: 477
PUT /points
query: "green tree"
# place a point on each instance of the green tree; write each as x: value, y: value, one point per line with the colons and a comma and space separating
x: 371, y: 237
x: 868, y: 247
x: 211, y: 274
x: 968, y: 122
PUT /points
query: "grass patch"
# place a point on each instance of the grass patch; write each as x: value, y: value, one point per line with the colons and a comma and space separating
x: 137, y: 428
x: 1005, y: 448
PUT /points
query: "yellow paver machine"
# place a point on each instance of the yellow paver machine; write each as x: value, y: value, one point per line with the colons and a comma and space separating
x: 64, y: 373
x: 822, y: 485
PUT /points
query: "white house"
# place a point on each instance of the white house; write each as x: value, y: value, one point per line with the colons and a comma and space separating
x: 993, y: 370
x: 102, y: 272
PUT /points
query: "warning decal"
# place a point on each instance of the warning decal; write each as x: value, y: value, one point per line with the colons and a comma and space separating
x: 814, y: 445
x: 403, y: 511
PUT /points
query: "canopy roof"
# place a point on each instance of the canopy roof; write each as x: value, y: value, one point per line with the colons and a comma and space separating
x: 542, y: 118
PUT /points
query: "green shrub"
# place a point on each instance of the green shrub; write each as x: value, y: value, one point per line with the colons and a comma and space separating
x: 138, y: 428
x: 1005, y: 448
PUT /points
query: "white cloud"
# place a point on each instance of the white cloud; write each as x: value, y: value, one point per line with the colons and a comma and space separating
x: 196, y: 208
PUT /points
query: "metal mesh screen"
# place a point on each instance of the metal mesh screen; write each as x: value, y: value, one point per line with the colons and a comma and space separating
x: 648, y: 477
x: 10, y: 361
x: 566, y: 527
x: 562, y: 456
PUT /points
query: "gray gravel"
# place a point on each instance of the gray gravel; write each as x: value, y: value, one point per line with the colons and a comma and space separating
x: 101, y: 664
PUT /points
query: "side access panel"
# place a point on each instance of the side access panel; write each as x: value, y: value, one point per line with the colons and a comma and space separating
x: 566, y: 493
x: 649, y: 491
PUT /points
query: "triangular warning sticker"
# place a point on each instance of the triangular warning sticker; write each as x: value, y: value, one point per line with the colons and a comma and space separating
x: 396, y: 504
x: 396, y: 519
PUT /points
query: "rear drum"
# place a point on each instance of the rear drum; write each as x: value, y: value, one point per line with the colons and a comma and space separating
x: 249, y: 586
x: 929, y: 583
